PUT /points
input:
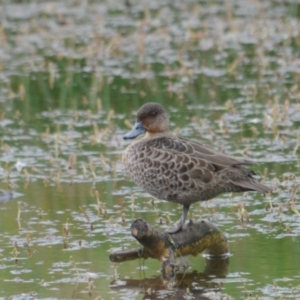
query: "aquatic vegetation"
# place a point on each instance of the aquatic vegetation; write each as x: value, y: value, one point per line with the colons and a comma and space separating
x: 72, y: 75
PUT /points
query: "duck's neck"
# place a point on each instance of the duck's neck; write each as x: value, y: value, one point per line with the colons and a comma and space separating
x: 151, y: 135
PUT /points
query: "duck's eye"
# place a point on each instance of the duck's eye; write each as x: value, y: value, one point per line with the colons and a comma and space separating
x: 153, y: 113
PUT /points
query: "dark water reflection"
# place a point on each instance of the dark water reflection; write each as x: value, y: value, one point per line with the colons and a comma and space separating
x: 195, y: 284
x: 6, y: 196
x: 72, y: 77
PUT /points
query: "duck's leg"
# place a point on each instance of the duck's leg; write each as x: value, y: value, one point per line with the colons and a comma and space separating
x: 178, y: 225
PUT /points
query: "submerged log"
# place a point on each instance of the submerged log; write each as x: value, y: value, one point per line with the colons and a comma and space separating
x: 193, y: 239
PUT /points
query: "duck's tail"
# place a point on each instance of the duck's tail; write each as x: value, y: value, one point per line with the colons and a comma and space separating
x: 253, y: 186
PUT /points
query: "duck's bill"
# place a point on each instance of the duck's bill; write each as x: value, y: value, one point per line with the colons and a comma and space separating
x: 137, y: 130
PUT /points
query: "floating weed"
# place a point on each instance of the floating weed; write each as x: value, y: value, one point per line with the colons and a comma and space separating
x: 92, y: 169
x: 20, y: 204
x: 255, y: 131
x: 245, y: 151
x: 22, y: 92
x: 232, y: 67
x: 287, y: 229
x: 152, y: 202
x: 75, y: 291
x: 85, y: 214
x: 99, y: 203
x: 65, y: 234
x: 123, y: 217
x: 244, y: 216
x: 110, y: 115
x: 295, y: 210
x: 168, y: 219
x: 95, y: 138
x: 72, y: 162
x: 105, y: 163
x: 293, y: 191
x: 27, y: 176
x: 73, y: 263
x: 99, y: 104
x: 115, y: 277
x: 15, y: 252
x: 280, y: 208
x: 28, y: 238
x: 104, y: 211
x: 87, y: 218
x: 91, y: 286
x: 56, y: 145
x: 275, y: 286
x: 296, y: 146
x: 132, y: 202
x: 128, y: 123
x: 26, y: 244
x: 116, y: 274
x: 160, y: 220
x: 246, y: 292
x: 84, y: 171
x: 7, y: 171
x: 101, y: 209
x: 270, y: 203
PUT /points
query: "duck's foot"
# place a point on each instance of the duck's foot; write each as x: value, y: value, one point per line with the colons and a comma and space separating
x: 178, y: 225
x: 175, y: 228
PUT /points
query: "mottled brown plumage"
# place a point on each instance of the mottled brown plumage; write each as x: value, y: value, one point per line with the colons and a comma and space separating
x: 180, y: 170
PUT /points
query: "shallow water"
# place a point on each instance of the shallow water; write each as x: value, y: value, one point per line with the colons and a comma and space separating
x: 73, y: 75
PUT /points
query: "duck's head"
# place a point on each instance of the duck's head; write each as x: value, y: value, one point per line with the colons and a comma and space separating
x: 151, y: 118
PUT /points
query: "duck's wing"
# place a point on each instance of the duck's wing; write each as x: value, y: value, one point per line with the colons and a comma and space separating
x: 196, y: 166
x: 197, y: 150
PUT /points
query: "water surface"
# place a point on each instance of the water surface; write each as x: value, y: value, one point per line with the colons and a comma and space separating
x: 72, y: 76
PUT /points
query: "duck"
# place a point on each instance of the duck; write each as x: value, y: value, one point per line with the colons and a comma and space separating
x: 181, y: 170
